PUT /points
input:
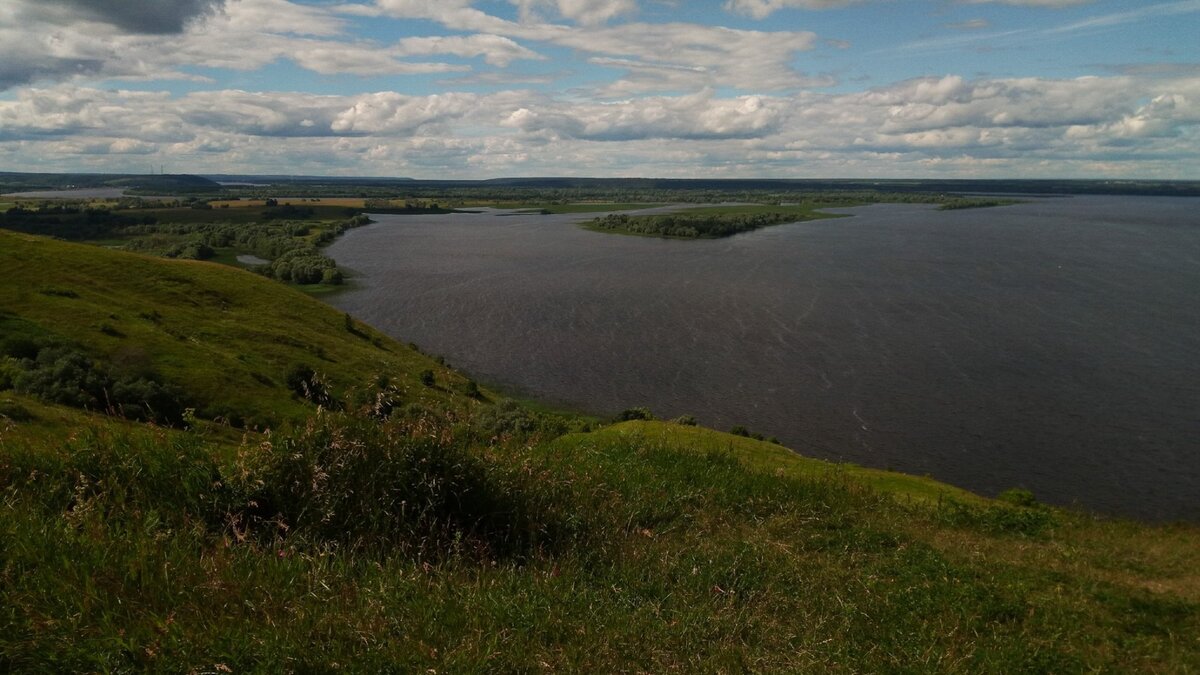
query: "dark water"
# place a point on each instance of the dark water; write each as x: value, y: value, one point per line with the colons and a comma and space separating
x: 1053, y: 345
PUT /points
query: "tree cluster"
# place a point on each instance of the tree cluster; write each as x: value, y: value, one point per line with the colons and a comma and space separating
x: 62, y: 374
x: 708, y: 226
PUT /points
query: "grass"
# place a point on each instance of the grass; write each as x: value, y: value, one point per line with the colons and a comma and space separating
x: 227, y: 336
x: 343, y: 202
x: 772, y: 458
x: 237, y: 215
x: 651, y: 554
x: 552, y: 208
x: 448, y: 538
x: 801, y: 211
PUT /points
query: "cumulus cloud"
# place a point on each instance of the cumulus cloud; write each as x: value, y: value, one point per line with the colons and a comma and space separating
x: 653, y: 56
x: 393, y: 113
x: 585, y: 12
x: 1030, y: 3
x: 698, y: 116
x: 143, y: 16
x: 925, y: 125
x: 737, y: 97
x: 58, y: 42
x: 760, y: 9
x: 495, y: 50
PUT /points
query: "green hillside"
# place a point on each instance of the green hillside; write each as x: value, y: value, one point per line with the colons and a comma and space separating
x: 381, y: 513
x: 229, y: 338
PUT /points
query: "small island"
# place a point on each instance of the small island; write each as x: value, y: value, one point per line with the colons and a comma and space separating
x: 714, y: 222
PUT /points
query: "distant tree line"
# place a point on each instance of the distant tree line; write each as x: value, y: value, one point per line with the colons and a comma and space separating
x: 708, y: 226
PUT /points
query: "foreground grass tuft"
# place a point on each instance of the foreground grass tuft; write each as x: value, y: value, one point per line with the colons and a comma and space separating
x: 346, y: 544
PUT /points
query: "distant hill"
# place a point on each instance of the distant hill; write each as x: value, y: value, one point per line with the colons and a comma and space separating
x: 227, y: 338
x: 188, y: 184
x: 985, y: 186
x: 151, y: 183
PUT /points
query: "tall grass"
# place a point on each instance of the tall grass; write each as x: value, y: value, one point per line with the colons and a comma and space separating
x: 346, y: 543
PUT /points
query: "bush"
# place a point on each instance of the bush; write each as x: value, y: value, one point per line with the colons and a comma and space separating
x: 20, y: 347
x: 739, y: 430
x: 304, y: 382
x: 686, y: 420
x: 427, y: 378
x: 635, y: 414
x: 64, y: 375
x: 1018, y: 497
x: 15, y: 411
x: 505, y: 419
x: 147, y: 399
x: 365, y: 485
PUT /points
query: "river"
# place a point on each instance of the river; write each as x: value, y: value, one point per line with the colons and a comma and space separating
x: 1052, y: 345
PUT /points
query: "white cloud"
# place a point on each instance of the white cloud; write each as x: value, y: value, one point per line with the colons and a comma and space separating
x: 971, y: 24
x: 495, y: 50
x: 246, y: 35
x: 760, y: 9
x: 585, y: 12
x: 698, y: 116
x: 925, y: 126
x: 654, y: 56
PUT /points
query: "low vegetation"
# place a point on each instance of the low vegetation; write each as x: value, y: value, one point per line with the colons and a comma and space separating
x: 287, y: 237
x: 714, y: 222
x: 330, y: 499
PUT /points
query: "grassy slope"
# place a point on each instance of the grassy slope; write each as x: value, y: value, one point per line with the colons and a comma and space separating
x: 228, y: 337
x: 764, y: 456
x: 677, y: 548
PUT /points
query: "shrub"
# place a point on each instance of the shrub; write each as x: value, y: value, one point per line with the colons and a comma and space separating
x: 686, y: 420
x: 365, y: 485
x: 739, y: 430
x: 20, y: 347
x: 427, y: 378
x: 506, y: 418
x: 66, y: 376
x: 14, y: 411
x: 640, y: 413
x: 307, y: 384
x: 146, y: 399
x: 1018, y: 497
x: 62, y: 375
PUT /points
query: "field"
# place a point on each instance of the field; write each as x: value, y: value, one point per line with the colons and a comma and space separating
x: 451, y: 530
x: 578, y: 207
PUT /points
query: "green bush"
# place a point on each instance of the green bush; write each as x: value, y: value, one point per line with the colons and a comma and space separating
x: 1018, y: 497
x: 15, y: 411
x: 640, y: 413
x: 365, y: 485
x: 510, y: 419
x: 64, y: 375
x: 303, y: 381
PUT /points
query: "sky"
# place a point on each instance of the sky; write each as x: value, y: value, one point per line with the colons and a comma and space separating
x: 659, y: 88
